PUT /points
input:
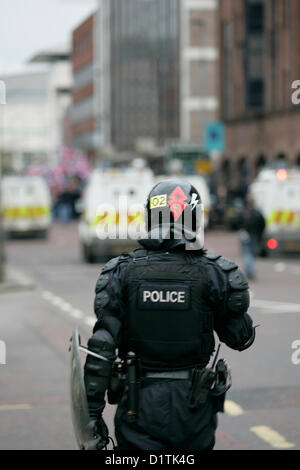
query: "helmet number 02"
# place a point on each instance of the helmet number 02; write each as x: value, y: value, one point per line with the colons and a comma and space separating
x: 158, y: 201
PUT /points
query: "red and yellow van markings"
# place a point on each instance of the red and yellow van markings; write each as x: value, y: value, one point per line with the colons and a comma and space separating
x: 284, y: 218
x: 114, y: 218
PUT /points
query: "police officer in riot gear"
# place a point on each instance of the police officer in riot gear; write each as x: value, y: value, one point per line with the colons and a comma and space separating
x: 162, y: 303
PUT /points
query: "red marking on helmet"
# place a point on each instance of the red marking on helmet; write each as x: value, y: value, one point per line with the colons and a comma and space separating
x: 177, y: 202
x: 272, y: 244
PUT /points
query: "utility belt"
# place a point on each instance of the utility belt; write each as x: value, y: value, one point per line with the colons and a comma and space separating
x: 128, y: 377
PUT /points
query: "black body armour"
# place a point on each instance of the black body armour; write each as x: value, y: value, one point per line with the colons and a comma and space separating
x: 169, y: 323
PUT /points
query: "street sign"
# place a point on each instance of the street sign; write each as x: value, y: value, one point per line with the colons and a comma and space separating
x: 214, y: 137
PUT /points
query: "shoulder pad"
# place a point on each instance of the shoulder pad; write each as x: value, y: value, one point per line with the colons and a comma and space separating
x: 237, y: 280
x: 111, y: 265
x: 226, y: 264
x: 102, y: 282
x: 124, y: 257
x: 102, y: 299
x: 139, y: 253
x: 212, y: 256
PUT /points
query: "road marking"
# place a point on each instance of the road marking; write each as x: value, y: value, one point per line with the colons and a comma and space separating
x: 273, y: 438
x: 276, y: 307
x: 251, y: 294
x: 75, y: 313
x: 233, y: 409
x: 47, y: 295
x: 67, y: 308
x: 90, y: 321
x: 57, y: 301
x: 272, y: 305
x: 280, y: 267
x: 15, y: 407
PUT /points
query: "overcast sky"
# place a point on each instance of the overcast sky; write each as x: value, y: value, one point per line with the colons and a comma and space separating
x: 27, y: 26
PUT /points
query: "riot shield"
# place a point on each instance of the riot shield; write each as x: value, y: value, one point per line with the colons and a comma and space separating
x: 84, y: 434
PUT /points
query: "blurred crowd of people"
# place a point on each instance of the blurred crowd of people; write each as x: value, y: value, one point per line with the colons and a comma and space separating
x: 65, y: 200
x: 66, y: 180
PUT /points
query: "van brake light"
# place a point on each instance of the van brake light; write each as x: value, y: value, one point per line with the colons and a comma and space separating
x: 282, y: 174
x: 272, y: 244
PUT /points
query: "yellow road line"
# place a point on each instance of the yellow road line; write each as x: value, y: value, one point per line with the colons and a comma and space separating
x: 233, y: 409
x: 15, y: 407
x: 273, y: 438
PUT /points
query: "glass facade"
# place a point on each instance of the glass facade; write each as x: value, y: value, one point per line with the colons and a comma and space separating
x: 144, y: 71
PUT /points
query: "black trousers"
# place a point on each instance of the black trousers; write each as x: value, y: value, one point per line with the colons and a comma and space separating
x: 165, y: 422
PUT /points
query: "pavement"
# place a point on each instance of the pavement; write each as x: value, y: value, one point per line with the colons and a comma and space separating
x: 262, y: 408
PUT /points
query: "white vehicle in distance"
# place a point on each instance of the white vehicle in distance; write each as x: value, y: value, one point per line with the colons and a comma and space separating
x: 26, y: 204
x: 276, y: 194
x: 113, y: 211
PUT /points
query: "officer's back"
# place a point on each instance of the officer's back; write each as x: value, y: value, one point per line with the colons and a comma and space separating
x: 163, y: 302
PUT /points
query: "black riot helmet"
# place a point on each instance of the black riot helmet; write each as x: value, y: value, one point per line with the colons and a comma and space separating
x: 174, y: 210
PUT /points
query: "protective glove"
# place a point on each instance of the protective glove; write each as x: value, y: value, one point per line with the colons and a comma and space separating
x: 100, y: 430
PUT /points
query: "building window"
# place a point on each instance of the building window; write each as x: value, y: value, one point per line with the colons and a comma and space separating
x: 255, y: 92
x: 254, y: 53
x: 227, y: 89
x: 255, y: 16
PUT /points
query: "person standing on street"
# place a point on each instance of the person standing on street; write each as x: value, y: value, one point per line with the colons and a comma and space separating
x: 159, y: 306
x: 251, y: 225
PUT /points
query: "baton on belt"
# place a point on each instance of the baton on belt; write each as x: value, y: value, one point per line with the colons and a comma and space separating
x: 133, y: 387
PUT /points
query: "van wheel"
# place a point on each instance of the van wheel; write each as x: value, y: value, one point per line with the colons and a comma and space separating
x: 87, y: 254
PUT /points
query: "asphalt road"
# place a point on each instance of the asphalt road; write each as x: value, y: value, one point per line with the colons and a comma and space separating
x: 263, y: 407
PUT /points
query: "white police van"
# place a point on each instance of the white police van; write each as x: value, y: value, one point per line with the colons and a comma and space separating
x: 277, y: 195
x: 113, y: 211
x: 26, y: 203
